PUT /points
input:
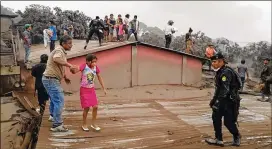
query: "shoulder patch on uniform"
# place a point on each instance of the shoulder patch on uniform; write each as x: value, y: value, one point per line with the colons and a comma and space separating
x: 224, y: 78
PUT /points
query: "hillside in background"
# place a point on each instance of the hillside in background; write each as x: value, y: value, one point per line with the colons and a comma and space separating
x: 39, y: 16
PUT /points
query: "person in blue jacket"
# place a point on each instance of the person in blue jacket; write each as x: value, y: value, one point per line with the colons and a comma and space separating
x: 53, y: 38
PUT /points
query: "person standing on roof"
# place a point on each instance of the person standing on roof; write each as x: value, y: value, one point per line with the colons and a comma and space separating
x: 94, y: 28
x: 189, y: 41
x: 210, y: 51
x: 106, y: 30
x: 134, y: 28
x: 118, y: 22
x: 53, y: 38
x: 27, y: 41
x: 169, y: 31
x: 111, y: 22
x: 126, y: 25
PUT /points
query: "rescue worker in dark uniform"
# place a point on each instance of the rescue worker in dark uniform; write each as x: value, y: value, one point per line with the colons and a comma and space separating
x: 226, y: 101
x: 37, y: 72
x: 94, y: 28
x: 265, y: 79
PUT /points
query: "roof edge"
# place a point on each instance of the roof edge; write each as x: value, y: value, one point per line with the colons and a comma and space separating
x: 99, y: 49
x: 103, y: 48
x: 171, y: 50
x: 9, y: 16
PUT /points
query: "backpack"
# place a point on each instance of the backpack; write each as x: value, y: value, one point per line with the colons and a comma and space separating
x: 238, y: 82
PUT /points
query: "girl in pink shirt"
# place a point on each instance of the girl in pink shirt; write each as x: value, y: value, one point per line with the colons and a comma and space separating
x: 88, y: 97
x: 121, y: 30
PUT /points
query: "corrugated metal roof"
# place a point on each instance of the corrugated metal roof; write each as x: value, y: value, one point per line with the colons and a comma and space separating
x: 5, y: 12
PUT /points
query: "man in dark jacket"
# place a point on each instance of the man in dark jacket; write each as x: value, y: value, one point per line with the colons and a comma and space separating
x: 94, y: 26
x: 265, y: 79
x: 37, y: 72
x: 226, y: 101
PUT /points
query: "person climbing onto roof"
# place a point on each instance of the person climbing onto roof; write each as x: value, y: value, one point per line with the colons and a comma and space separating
x: 37, y: 72
x: 169, y: 31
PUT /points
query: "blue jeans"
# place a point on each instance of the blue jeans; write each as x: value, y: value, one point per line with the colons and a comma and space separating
x: 27, y: 53
x: 56, y: 94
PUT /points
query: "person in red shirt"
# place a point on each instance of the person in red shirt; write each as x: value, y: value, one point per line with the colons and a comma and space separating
x: 210, y: 51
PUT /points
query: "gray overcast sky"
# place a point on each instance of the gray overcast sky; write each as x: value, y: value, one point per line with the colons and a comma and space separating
x: 244, y: 21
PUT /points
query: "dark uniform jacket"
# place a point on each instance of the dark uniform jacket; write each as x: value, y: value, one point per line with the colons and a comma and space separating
x: 227, y: 82
x: 266, y: 72
x: 96, y: 24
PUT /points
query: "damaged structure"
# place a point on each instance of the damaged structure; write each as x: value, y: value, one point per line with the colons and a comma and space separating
x: 20, y: 121
x: 10, y: 52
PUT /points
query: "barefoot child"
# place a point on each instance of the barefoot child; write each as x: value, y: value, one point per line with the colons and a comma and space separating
x: 87, y: 92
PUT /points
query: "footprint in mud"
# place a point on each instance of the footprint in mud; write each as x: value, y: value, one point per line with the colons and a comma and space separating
x: 148, y: 92
x: 170, y: 132
x: 113, y: 119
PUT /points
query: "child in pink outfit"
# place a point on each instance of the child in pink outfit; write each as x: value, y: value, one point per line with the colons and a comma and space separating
x: 121, y: 30
x: 88, y: 96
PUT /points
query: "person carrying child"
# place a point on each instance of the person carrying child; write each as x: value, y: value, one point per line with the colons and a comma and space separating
x: 88, y: 97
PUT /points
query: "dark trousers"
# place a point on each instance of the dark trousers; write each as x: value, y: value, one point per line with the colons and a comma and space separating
x: 132, y: 31
x: 42, y: 98
x: 117, y: 31
x: 92, y: 31
x: 168, y: 39
x: 266, y: 90
x: 229, y: 121
x: 243, y: 82
x: 52, y: 45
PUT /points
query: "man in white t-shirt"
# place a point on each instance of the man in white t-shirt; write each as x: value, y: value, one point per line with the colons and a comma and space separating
x: 169, y: 31
x: 46, y: 37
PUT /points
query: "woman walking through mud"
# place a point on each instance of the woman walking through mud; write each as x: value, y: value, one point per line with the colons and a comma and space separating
x: 88, y: 96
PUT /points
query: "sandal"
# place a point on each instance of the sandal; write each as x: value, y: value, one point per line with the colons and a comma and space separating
x: 85, y: 129
x: 96, y: 128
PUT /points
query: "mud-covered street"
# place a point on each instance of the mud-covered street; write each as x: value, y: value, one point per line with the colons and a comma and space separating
x: 156, y: 117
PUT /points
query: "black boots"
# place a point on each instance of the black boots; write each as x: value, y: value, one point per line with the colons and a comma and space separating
x: 215, y: 142
x: 236, y: 140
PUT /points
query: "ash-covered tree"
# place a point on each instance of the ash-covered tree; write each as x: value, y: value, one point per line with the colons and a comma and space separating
x: 39, y: 16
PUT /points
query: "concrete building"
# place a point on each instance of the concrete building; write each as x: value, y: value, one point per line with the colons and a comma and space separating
x: 136, y: 64
x: 128, y: 64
